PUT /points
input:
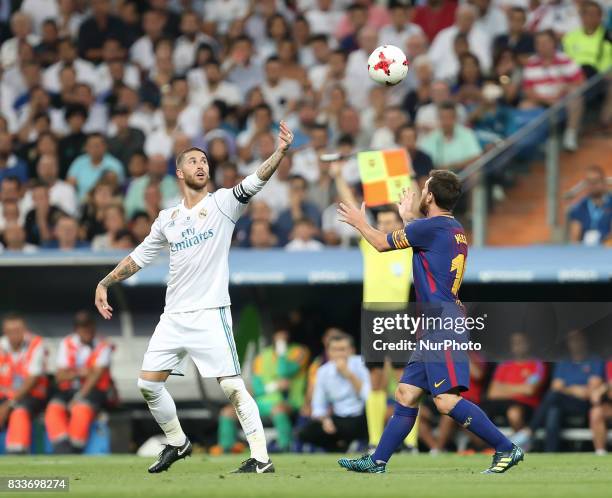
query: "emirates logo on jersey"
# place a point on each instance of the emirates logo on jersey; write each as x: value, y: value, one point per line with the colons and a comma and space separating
x: 202, y: 214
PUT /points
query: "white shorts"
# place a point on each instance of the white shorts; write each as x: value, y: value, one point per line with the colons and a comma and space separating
x: 204, y: 335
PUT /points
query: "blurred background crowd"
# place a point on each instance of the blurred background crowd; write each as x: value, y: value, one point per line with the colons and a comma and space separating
x: 97, y: 97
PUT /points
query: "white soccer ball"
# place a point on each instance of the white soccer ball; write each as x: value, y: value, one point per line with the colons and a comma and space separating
x: 387, y: 65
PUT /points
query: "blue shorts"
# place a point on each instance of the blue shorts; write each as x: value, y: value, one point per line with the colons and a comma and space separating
x: 438, y: 371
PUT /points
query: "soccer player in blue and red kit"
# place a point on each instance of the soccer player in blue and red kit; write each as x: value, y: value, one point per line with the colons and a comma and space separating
x: 440, y: 251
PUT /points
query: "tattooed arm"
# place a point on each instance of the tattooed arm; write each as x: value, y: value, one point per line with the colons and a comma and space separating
x: 269, y: 166
x: 125, y: 269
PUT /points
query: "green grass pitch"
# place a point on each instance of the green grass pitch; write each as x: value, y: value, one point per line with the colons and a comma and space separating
x: 318, y: 476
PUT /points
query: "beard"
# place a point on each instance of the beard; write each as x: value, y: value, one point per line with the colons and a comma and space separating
x: 195, y: 184
x: 424, y: 207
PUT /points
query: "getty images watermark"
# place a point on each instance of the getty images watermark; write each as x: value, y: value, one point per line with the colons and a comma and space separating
x: 396, y: 331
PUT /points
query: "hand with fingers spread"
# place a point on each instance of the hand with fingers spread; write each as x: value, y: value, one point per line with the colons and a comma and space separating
x: 405, y: 204
x: 285, y: 137
x: 351, y: 215
x: 101, y: 301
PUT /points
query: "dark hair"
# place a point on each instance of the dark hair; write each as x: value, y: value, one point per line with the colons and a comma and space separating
x: 388, y: 208
x: 547, y: 32
x: 346, y: 139
x: 299, y: 178
x: 518, y: 10
x: 96, y: 134
x: 340, y: 336
x: 447, y: 105
x: 445, y: 187
x: 272, y: 58
x: 318, y: 37
x: 592, y: 3
x: 139, y: 214
x: 13, y: 315
x: 76, y: 110
x: 12, y: 178
x: 83, y: 318
x: 181, y: 157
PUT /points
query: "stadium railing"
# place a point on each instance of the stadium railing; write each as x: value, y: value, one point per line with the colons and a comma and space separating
x: 503, y: 152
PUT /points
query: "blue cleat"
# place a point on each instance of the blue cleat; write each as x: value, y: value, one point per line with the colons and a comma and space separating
x: 504, y: 460
x: 363, y: 464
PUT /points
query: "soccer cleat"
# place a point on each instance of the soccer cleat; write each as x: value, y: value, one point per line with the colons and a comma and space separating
x: 363, y: 464
x: 252, y: 466
x: 169, y: 455
x: 504, y: 460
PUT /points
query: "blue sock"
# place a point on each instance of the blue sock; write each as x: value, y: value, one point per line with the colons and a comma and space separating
x: 398, y: 427
x: 475, y: 420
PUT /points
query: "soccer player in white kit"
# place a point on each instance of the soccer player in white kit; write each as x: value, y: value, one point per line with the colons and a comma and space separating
x: 196, y: 321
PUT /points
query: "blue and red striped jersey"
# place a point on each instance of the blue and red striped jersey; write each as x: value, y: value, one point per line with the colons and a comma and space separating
x: 439, y: 256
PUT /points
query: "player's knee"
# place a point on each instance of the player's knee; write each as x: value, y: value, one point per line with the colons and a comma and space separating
x: 596, y: 415
x: 234, y: 389
x: 406, y: 396
x: 446, y: 402
x: 150, y: 390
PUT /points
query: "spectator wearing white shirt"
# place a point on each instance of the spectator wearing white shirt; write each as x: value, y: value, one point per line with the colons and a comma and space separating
x: 324, y: 18
x: 491, y: 18
x: 14, y: 239
x: 400, y: 29
x: 358, y: 84
x: 442, y: 53
x: 241, y: 67
x: 341, y: 388
x: 223, y: 12
x: 161, y: 139
x: 69, y: 20
x: 207, y: 84
x: 142, y: 51
x: 85, y: 70
x: 114, y: 69
x: 21, y: 27
x: 559, y: 15
x: 384, y: 137
x: 281, y: 94
x: 427, y: 118
x: 39, y: 11
x: 61, y: 193
x: 187, y: 44
x: 303, y: 237
x: 97, y: 113
x: 306, y: 161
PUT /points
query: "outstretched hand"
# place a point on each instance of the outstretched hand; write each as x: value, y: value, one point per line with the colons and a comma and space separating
x: 351, y: 215
x: 285, y: 137
x: 406, y: 201
x: 101, y: 301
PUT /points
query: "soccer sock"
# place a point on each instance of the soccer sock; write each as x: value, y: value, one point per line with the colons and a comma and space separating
x: 397, y: 429
x: 226, y: 434
x: 163, y: 409
x: 282, y: 424
x: 471, y: 417
x: 248, y: 414
x: 376, y: 406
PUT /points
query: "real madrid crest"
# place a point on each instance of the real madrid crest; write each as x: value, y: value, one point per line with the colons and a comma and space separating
x: 202, y: 213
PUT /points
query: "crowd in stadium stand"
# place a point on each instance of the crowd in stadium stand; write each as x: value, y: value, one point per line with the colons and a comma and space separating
x: 314, y: 404
x: 97, y: 97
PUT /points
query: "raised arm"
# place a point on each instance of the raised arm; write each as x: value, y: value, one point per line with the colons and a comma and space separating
x: 344, y: 191
x: 357, y: 218
x: 270, y: 165
x: 125, y: 269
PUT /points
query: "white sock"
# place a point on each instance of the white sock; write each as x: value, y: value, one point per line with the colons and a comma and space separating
x: 248, y: 414
x: 163, y: 409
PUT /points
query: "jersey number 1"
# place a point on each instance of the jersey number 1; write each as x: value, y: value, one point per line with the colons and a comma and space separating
x: 458, y: 266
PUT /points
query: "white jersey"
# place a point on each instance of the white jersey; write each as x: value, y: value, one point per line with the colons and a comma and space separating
x: 198, y: 240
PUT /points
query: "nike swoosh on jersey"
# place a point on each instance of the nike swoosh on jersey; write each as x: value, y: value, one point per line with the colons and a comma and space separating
x: 438, y: 384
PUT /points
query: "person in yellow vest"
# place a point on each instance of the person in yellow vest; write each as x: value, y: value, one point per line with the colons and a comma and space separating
x: 590, y: 46
x: 279, y: 385
x: 23, y: 383
x: 386, y: 287
x: 84, y: 385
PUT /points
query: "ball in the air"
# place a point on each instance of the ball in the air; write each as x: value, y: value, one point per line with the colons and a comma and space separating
x: 387, y: 65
